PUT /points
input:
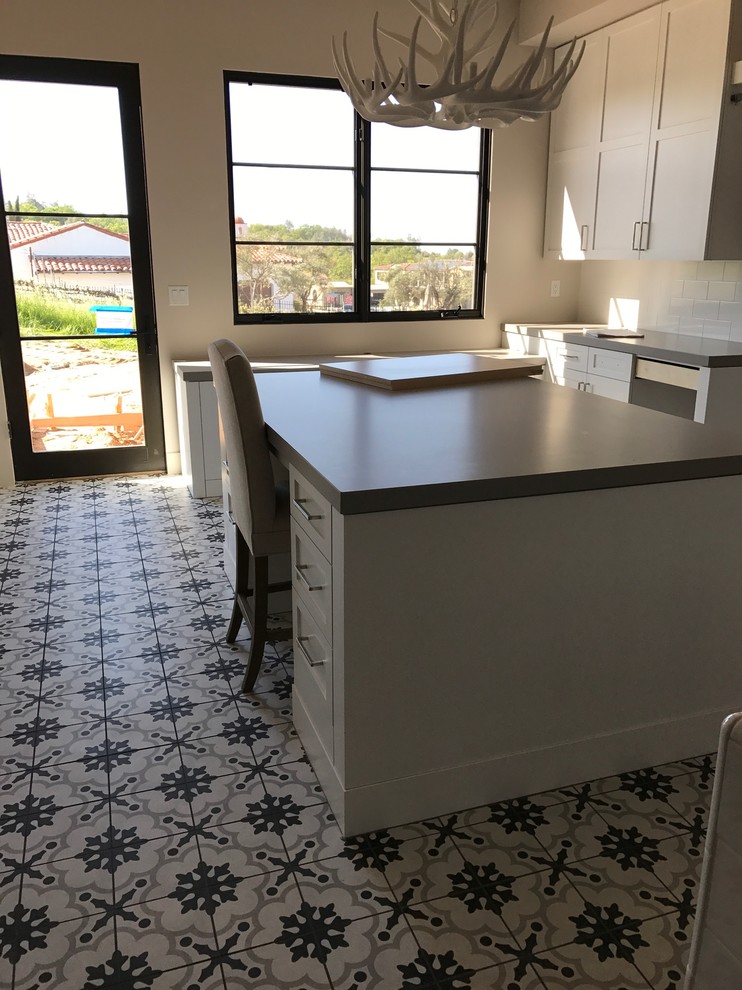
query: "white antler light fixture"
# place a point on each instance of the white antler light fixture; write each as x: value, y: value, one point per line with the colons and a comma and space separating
x: 459, y: 93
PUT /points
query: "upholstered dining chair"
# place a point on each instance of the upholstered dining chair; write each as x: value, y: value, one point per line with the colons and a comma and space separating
x: 259, y: 504
x: 715, y: 960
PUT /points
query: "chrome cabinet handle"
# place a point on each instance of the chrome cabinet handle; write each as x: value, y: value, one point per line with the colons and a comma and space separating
x: 584, y: 235
x: 298, y: 502
x: 571, y: 357
x: 300, y: 568
x: 644, y: 237
x: 300, y: 640
x: 634, y: 245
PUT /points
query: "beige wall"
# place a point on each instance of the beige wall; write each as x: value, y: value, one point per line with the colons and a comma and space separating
x: 182, y: 47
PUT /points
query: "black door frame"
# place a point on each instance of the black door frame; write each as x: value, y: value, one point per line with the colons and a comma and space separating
x: 124, y: 76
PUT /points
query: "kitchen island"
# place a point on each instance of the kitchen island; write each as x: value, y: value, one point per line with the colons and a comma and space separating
x: 501, y: 588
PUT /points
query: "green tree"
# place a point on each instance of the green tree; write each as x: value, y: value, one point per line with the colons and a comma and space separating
x: 430, y: 285
x: 256, y: 270
x: 118, y: 225
x: 308, y: 277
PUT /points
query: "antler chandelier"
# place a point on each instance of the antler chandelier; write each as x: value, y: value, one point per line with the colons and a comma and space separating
x: 459, y: 94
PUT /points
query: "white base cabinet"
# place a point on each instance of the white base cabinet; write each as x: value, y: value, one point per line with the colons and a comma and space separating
x: 442, y: 693
x: 579, y: 366
x: 198, y: 430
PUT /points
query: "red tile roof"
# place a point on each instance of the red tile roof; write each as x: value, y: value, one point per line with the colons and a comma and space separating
x: 68, y: 264
x: 51, y: 230
x: 268, y: 254
x: 21, y: 231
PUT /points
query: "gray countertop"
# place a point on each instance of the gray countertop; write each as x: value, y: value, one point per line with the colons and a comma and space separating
x: 370, y: 450
x: 677, y: 348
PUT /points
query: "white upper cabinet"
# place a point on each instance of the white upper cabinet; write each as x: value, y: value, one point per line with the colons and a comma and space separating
x: 685, y: 127
x: 633, y: 177
x: 573, y: 171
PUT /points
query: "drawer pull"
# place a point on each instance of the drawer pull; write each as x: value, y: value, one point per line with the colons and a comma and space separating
x: 300, y: 568
x: 300, y: 640
x: 298, y: 502
x: 571, y: 357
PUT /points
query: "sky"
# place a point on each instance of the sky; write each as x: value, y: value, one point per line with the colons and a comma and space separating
x: 293, y: 126
x: 62, y: 144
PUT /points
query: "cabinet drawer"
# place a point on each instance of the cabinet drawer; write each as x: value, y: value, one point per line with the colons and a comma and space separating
x: 563, y: 357
x: 610, y: 364
x: 313, y: 672
x: 312, y: 510
x: 312, y: 579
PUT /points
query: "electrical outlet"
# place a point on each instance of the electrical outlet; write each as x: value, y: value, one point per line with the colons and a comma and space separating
x: 556, y: 287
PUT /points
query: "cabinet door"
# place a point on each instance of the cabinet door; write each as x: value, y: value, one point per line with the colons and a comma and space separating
x: 631, y: 67
x: 683, y: 139
x: 572, y: 182
x: 609, y: 388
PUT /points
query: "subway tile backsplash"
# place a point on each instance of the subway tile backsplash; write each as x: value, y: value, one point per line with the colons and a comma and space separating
x: 705, y: 300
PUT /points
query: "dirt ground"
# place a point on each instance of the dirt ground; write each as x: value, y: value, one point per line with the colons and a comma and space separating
x: 81, y: 381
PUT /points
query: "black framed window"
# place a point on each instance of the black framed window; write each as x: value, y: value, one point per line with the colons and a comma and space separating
x: 334, y: 219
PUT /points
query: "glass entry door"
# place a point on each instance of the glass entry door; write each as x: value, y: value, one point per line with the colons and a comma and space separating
x: 78, y: 341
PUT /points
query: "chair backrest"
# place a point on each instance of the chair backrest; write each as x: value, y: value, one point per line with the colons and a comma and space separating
x: 715, y: 960
x: 252, y: 485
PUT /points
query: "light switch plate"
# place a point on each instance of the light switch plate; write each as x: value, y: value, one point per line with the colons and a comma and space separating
x: 178, y: 295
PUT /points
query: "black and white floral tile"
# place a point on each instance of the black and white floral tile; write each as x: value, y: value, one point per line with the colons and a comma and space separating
x: 158, y: 830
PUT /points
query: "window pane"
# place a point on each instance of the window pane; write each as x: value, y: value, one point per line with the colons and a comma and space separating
x: 290, y: 125
x: 423, y: 207
x: 424, y: 147
x: 417, y: 277
x: 63, y: 266
x: 291, y: 279
x: 82, y: 394
x: 80, y: 127
x: 293, y: 198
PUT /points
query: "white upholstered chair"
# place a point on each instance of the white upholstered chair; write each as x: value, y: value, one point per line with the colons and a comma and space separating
x: 259, y: 505
x: 715, y: 960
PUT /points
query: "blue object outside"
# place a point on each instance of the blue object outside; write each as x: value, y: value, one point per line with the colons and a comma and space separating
x: 121, y: 330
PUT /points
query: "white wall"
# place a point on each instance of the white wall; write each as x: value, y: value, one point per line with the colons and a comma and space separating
x: 572, y: 17
x: 82, y: 241
x: 701, y: 298
x: 182, y: 47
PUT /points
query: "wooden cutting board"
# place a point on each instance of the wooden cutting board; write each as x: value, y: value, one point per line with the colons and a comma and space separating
x: 428, y: 370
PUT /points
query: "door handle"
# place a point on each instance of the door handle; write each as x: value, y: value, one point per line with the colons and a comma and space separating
x: 634, y: 245
x: 148, y: 338
x: 584, y: 237
x: 644, y: 237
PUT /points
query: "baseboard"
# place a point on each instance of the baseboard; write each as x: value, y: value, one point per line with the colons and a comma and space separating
x: 408, y: 799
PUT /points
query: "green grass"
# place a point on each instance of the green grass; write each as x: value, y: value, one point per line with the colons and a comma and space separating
x: 39, y: 315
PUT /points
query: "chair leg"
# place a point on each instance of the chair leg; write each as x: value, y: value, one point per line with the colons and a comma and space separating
x: 241, y: 585
x: 260, y: 624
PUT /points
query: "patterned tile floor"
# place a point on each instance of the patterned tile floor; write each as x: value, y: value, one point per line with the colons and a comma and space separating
x: 158, y: 830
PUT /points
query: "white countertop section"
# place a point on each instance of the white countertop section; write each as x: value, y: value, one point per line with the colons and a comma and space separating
x: 370, y: 450
x: 200, y: 371
x: 676, y: 348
